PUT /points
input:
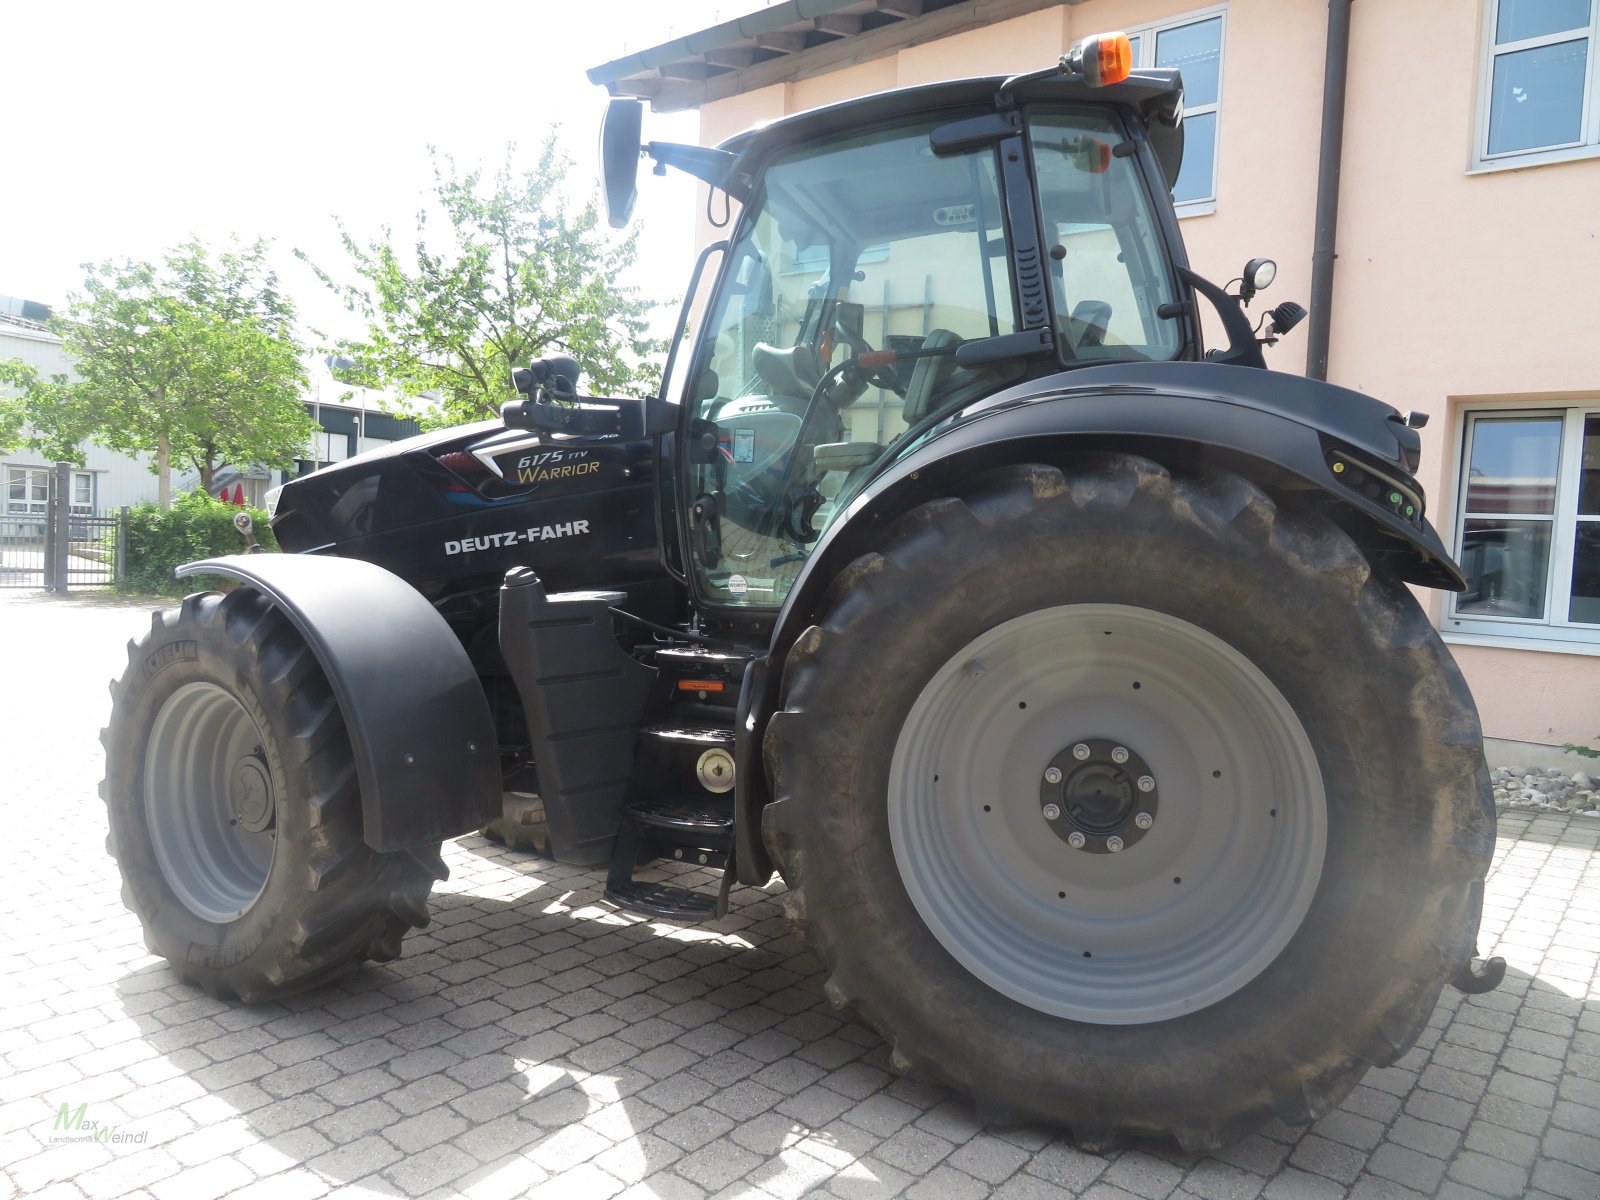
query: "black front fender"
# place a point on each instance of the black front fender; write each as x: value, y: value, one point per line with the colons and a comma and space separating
x: 426, y: 754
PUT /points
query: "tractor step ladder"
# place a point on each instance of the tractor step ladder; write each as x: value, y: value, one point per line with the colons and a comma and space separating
x: 684, y: 831
x: 689, y: 821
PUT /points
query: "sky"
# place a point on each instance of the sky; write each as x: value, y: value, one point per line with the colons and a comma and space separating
x: 131, y: 126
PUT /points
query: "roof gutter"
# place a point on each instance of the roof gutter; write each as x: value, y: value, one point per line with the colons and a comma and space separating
x: 767, y: 20
x: 1330, y: 157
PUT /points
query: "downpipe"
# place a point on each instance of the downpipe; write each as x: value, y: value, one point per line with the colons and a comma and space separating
x: 1476, y: 976
x: 1329, y: 159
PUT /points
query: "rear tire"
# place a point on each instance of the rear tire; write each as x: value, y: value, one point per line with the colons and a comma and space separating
x: 235, y: 815
x: 1194, y: 620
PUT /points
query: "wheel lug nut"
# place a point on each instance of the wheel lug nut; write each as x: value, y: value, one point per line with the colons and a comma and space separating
x: 1080, y: 752
x: 1146, y: 784
x: 1076, y: 840
x: 1052, y: 812
x: 1052, y: 775
x: 1144, y: 820
x: 1113, y: 843
x: 1119, y: 755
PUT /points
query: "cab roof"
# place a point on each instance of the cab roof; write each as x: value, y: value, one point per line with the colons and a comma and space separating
x: 1152, y: 94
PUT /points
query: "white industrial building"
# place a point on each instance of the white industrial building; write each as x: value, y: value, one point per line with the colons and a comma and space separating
x: 351, y: 418
x: 107, y: 479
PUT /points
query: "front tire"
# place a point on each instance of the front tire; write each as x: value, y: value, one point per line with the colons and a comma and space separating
x: 235, y: 815
x: 1286, y: 898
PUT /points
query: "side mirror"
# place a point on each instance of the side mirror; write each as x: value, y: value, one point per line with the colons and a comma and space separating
x: 620, y: 134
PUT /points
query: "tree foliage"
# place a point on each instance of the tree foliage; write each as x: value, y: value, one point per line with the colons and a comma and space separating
x: 193, y: 360
x: 13, y: 412
x: 516, y: 275
x: 42, y: 416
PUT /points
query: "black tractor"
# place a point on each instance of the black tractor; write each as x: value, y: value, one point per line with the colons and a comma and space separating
x: 1067, y: 671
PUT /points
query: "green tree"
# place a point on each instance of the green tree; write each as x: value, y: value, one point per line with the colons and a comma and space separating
x: 43, y: 415
x: 13, y: 418
x: 192, y: 361
x: 519, y: 276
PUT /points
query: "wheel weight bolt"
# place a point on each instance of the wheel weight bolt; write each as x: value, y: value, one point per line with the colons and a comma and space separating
x: 1052, y: 812
x: 1076, y: 840
x: 1146, y: 784
x: 1113, y: 843
x: 1119, y: 755
x: 1052, y: 775
x: 1144, y: 820
x: 1080, y: 752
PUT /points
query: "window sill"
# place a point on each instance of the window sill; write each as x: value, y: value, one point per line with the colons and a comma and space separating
x: 1534, y: 158
x: 1200, y: 208
x: 1542, y: 645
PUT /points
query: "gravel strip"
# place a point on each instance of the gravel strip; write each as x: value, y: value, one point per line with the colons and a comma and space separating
x: 1545, y: 791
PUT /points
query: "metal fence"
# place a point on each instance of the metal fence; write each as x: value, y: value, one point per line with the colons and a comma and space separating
x: 58, y: 548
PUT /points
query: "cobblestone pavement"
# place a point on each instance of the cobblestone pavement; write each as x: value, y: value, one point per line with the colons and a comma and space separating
x: 534, y: 1042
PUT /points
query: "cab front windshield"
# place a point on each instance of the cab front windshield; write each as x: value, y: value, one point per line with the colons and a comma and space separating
x: 860, y: 266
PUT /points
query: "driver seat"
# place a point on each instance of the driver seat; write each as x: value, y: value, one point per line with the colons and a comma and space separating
x: 1090, y: 320
x: 791, y: 372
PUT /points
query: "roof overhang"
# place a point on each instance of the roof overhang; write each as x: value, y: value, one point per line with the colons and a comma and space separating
x: 795, y: 39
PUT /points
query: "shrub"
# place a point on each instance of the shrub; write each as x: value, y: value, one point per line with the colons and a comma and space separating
x: 1585, y: 751
x: 196, y: 526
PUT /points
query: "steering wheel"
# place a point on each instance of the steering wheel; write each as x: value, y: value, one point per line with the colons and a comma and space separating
x: 876, y: 366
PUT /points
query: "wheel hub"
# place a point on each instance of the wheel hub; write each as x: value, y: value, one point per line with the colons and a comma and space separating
x: 1098, y: 796
x: 209, y: 801
x: 250, y: 793
x: 1193, y: 911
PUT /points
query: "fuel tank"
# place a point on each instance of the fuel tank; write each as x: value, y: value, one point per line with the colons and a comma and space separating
x: 453, y: 510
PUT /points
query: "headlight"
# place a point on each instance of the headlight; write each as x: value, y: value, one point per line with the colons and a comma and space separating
x: 270, y: 501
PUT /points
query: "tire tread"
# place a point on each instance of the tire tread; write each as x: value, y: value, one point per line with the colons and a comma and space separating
x: 352, y: 904
x: 1240, y: 516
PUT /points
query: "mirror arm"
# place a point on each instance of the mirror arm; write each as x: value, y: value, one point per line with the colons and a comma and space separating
x: 705, y: 163
x: 1243, y: 351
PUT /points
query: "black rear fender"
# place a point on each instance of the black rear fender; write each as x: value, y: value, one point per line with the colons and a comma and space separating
x: 1282, y: 432
x: 1340, y: 449
x: 426, y: 754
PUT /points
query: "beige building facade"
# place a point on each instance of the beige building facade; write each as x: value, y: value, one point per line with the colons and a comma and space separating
x: 1467, y: 283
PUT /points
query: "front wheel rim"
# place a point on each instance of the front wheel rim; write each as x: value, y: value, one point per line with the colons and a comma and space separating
x: 210, y: 802
x: 1199, y: 902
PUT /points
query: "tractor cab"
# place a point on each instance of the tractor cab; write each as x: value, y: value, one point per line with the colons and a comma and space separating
x: 896, y: 260
x: 883, y: 274
x: 893, y: 261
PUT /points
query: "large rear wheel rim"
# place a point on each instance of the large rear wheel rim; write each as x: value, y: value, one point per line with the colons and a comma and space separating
x: 209, y: 802
x: 1197, y: 904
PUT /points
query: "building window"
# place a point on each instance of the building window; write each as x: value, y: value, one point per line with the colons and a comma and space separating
x: 28, y: 490
x: 814, y: 259
x: 1538, y: 78
x: 1528, y: 525
x: 1192, y: 43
